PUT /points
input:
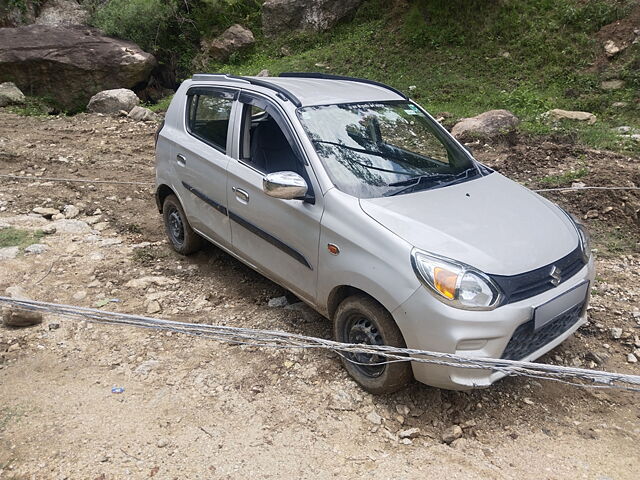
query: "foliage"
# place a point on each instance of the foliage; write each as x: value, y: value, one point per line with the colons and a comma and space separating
x: 14, y: 237
x: 565, y: 178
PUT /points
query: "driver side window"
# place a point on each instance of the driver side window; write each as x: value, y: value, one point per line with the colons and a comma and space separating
x: 263, y: 144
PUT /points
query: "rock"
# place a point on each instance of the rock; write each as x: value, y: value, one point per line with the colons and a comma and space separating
x: 10, y: 94
x: 55, y: 61
x: 141, y: 114
x: 16, y: 317
x: 278, y: 302
x: 14, y: 347
x: 145, y: 282
x: 619, y: 104
x: 58, y: 216
x: 558, y: 114
x: 154, y: 307
x: 402, y: 410
x: 80, y: 295
x: 233, y: 39
x: 263, y: 73
x: 16, y: 13
x: 611, y: 49
x: 631, y: 358
x: 342, y: 400
x: 594, y: 357
x: 163, y: 442
x: 612, y: 85
x: 623, y: 129
x: 70, y: 211
x: 112, y: 101
x: 486, y: 125
x: 36, y: 249
x: 460, y: 443
x: 282, y: 16
x: 145, y: 367
x: 46, y: 212
x: 61, y: 13
x: 65, y: 225
x: 451, y: 434
x: 374, y: 418
x: 409, y: 433
x: 406, y: 441
x: 615, y: 333
x: 49, y: 229
x: 8, y: 253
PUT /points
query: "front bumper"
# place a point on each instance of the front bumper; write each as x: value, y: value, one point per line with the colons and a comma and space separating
x: 428, y: 324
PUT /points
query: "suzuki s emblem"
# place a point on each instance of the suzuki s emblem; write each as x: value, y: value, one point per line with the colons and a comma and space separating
x: 555, y: 274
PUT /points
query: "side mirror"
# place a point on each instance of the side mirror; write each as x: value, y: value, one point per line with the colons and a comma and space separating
x: 285, y: 185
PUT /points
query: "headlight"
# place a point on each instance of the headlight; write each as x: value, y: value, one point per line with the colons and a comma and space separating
x: 455, y: 283
x: 583, y: 236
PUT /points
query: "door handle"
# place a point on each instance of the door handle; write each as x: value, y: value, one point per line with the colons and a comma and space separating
x: 241, y: 194
x: 182, y: 161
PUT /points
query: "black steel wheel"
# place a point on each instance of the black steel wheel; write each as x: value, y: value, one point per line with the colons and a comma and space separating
x: 181, y: 236
x: 360, y: 319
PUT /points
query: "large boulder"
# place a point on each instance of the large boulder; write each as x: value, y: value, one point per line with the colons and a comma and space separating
x: 70, y: 64
x: 10, y: 94
x: 13, y: 14
x: 282, y: 16
x: 486, y: 125
x: 62, y: 12
x: 233, y: 39
x: 113, y: 101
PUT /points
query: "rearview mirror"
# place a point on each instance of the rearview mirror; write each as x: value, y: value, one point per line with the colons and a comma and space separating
x: 285, y: 185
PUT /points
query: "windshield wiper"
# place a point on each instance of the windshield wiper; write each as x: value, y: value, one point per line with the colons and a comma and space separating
x: 369, y: 152
x: 436, y: 178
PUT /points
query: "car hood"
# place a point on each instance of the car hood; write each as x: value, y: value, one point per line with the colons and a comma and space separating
x: 490, y: 223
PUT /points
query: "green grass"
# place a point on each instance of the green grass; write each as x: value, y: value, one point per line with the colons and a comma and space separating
x: 565, y: 178
x: 613, y: 242
x: 469, y: 56
x: 161, y: 106
x: 33, y: 107
x: 13, y: 237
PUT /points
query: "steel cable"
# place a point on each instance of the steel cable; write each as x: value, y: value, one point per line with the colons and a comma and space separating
x: 279, y: 339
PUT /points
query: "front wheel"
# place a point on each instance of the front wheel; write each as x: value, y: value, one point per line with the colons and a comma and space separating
x: 181, y: 236
x: 360, y: 319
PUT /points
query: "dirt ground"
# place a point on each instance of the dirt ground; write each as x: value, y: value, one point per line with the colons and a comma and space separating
x: 197, y: 409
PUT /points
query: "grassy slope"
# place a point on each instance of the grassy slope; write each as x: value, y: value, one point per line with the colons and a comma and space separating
x: 468, y: 56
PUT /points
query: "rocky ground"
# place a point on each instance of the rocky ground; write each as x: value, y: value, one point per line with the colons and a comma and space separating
x: 197, y: 409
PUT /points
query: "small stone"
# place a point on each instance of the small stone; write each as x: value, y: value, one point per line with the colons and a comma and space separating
x: 451, y: 434
x: 36, y: 249
x: 578, y: 185
x: 459, y: 444
x: 619, y: 104
x: 58, y: 216
x: 70, y: 211
x: 406, y: 441
x: 631, y: 358
x: 612, y: 84
x: 528, y: 401
x: 46, y: 212
x: 409, y: 433
x: 402, y: 410
x: 141, y: 114
x: 374, y: 418
x: 8, y: 253
x: 623, y: 129
x: 163, y: 442
x: 80, y: 295
x: 615, y: 333
x: 49, y: 229
x: 263, y: 73
x: 14, y: 347
x: 594, y: 357
x: 53, y: 326
x: 278, y: 302
x: 154, y: 307
x: 611, y: 49
x: 145, y: 367
x: 412, y: 88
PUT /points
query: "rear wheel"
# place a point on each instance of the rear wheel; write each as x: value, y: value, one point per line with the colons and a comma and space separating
x: 181, y: 236
x: 360, y: 319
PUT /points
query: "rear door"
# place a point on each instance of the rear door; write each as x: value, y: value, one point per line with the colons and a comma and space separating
x: 201, y: 160
x: 279, y: 237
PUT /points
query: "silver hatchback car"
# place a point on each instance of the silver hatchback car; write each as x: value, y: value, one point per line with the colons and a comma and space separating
x: 353, y: 197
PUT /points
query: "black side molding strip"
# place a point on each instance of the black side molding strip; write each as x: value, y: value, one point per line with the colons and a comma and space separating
x: 221, y: 208
x: 327, y: 76
x: 271, y: 239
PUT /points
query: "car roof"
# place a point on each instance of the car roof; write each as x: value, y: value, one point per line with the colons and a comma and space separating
x: 309, y: 90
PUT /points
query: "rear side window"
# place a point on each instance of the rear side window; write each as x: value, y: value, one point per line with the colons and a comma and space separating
x: 208, y: 117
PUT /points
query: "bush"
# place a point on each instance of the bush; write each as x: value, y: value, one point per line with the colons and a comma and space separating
x: 144, y: 22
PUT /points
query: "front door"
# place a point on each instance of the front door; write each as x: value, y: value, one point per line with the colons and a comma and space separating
x: 279, y: 237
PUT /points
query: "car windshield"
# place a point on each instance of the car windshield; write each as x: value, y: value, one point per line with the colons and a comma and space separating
x: 384, y: 148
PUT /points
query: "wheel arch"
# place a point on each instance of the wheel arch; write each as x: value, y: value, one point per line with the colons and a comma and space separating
x: 162, y: 192
x: 342, y: 292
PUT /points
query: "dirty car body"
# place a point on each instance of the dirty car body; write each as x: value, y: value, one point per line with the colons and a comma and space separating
x: 353, y: 197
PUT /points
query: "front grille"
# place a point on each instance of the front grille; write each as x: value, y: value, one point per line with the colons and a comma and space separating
x: 535, y: 282
x: 526, y: 340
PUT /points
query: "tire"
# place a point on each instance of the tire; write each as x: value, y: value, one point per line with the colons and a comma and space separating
x: 360, y: 319
x: 181, y: 236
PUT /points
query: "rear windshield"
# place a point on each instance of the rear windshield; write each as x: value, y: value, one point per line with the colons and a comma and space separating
x: 383, y: 149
